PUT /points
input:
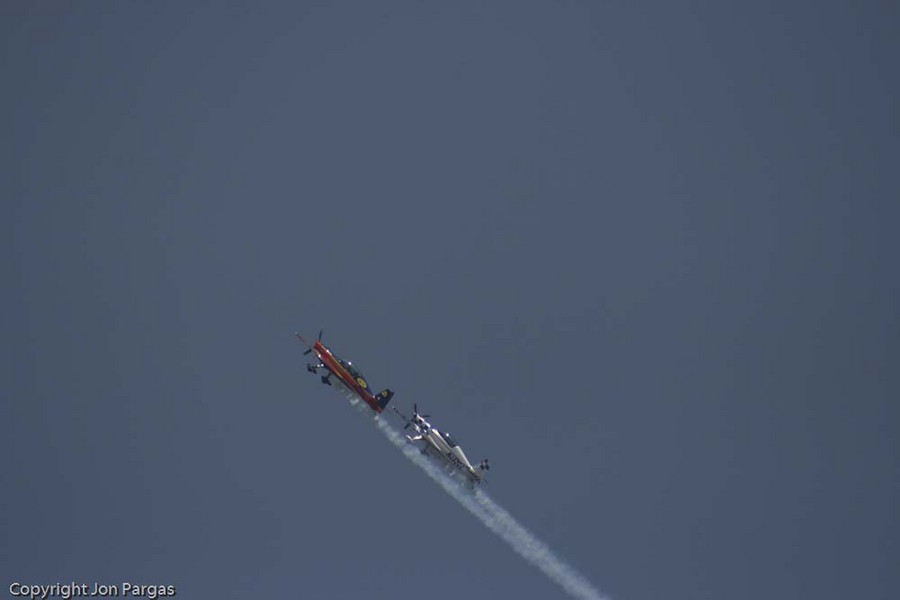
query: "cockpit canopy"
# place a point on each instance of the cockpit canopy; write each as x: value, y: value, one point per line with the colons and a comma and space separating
x: 449, y: 439
x: 354, y: 372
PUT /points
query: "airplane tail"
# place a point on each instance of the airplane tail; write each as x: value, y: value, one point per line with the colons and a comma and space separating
x: 384, y: 397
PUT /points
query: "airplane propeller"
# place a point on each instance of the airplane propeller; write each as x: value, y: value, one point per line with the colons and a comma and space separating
x: 413, y: 420
x: 310, y: 349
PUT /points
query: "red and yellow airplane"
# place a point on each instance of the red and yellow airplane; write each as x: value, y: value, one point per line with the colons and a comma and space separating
x: 348, y: 375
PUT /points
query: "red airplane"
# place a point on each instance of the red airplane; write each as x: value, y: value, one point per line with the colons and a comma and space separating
x: 348, y: 376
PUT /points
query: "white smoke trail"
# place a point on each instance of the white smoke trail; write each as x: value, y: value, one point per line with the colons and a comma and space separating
x: 498, y: 520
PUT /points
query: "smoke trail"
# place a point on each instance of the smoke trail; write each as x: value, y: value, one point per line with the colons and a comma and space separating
x: 498, y: 520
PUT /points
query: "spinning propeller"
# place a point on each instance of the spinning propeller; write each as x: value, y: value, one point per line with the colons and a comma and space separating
x: 415, y: 418
x: 310, y: 349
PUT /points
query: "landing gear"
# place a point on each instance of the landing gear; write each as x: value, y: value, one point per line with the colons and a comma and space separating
x: 325, y: 379
x: 310, y: 368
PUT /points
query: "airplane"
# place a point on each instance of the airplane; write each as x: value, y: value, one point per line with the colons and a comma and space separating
x: 347, y: 375
x: 442, y: 445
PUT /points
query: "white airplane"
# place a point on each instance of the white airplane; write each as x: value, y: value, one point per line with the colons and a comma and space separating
x: 441, y: 445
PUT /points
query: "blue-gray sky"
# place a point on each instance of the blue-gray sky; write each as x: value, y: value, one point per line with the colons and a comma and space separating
x: 641, y: 255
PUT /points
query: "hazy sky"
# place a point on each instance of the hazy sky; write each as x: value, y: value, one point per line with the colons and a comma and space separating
x: 640, y: 255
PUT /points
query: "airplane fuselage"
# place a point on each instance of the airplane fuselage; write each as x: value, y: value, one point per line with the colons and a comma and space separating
x: 435, y: 445
x: 356, y: 384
